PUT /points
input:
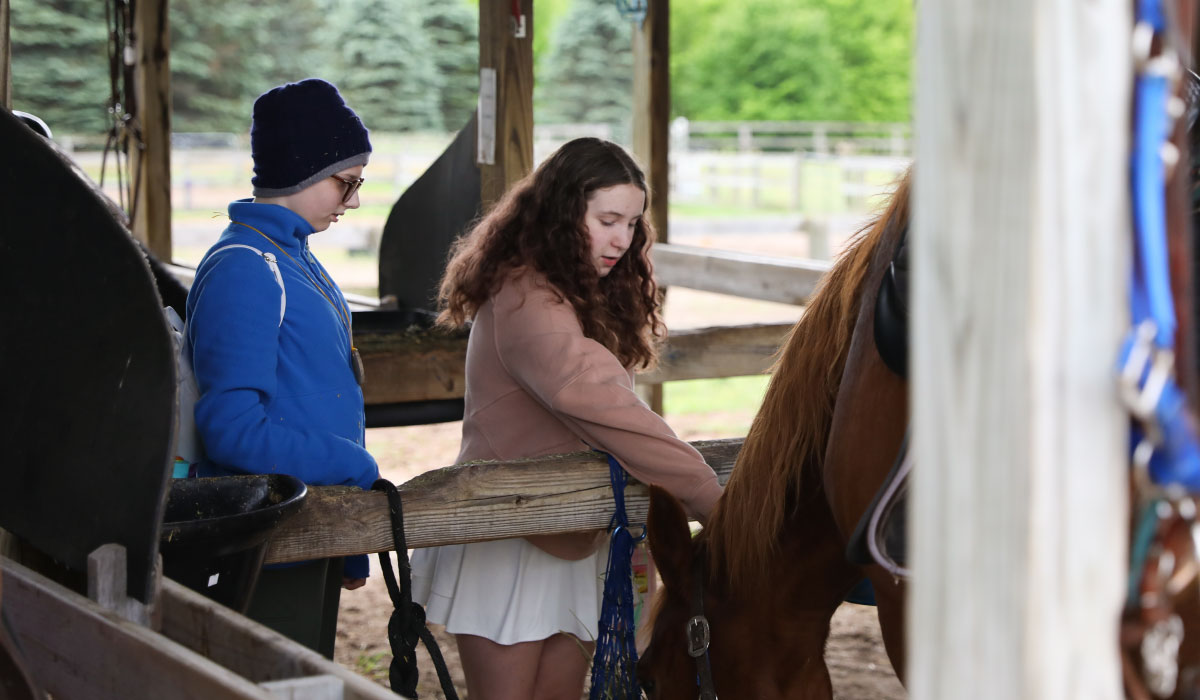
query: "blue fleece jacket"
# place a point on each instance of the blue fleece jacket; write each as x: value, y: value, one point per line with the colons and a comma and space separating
x: 275, y: 398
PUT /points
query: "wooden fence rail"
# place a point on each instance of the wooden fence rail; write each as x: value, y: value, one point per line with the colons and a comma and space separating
x: 769, y: 278
x: 472, y: 503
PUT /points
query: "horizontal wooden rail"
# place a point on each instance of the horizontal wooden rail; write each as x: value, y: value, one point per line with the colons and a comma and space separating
x: 769, y: 278
x: 75, y: 648
x: 418, y: 366
x: 472, y: 503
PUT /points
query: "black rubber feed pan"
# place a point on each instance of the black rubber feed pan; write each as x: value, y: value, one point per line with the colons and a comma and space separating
x: 215, y: 531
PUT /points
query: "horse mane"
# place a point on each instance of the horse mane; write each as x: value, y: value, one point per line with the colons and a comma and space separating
x: 788, y: 436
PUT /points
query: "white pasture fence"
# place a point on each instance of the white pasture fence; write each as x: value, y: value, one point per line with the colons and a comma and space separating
x: 820, y: 138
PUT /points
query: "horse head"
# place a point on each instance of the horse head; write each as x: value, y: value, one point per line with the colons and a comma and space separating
x: 711, y: 636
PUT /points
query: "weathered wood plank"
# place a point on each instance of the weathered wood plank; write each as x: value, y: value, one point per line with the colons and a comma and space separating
x: 471, y: 503
x: 720, y: 351
x: 784, y: 280
x: 511, y: 57
x: 404, y: 366
x: 310, y: 688
x: 1021, y: 239
x: 152, y: 166
x: 106, y: 577
x: 411, y: 365
x: 247, y: 648
x: 77, y: 649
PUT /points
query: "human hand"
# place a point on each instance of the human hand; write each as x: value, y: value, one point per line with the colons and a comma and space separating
x: 351, y: 584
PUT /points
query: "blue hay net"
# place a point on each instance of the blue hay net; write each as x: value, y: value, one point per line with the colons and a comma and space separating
x: 614, y: 666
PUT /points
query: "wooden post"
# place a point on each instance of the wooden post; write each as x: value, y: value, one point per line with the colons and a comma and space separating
x: 151, y: 167
x: 1020, y: 261
x: 106, y: 578
x: 652, y: 126
x: 506, y: 96
x: 5, y: 54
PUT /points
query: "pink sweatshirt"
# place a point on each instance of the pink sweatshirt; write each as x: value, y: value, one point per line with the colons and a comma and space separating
x: 537, y: 386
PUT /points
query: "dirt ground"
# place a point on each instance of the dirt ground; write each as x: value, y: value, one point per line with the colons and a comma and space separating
x: 855, y: 653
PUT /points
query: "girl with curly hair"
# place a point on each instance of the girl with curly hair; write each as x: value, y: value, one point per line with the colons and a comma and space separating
x: 557, y: 279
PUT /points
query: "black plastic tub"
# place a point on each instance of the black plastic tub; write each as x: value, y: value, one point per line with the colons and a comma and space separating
x: 215, y: 531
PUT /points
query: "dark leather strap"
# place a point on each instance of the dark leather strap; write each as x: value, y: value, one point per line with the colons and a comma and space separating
x: 407, y: 624
x: 698, y: 635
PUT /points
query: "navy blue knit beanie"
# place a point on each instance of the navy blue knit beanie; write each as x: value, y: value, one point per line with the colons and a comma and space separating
x: 300, y: 134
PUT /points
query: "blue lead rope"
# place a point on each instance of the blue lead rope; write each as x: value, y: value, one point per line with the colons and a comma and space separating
x: 1164, y: 438
x: 614, y: 667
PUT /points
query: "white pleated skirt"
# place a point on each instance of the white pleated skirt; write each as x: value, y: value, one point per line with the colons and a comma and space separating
x: 509, y: 591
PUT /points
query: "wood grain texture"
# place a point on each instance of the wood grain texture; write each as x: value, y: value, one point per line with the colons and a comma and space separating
x: 720, y: 351
x: 77, y: 649
x: 472, y: 503
x: 652, y: 130
x: 247, y: 648
x: 784, y: 280
x: 402, y: 366
x: 407, y: 365
x: 512, y: 58
x: 1019, y: 246
x: 152, y: 166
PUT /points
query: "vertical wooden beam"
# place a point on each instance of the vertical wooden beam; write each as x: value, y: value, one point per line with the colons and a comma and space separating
x: 652, y: 125
x: 652, y: 105
x: 6, y: 54
x: 1020, y: 263
x: 151, y: 167
x: 510, y: 59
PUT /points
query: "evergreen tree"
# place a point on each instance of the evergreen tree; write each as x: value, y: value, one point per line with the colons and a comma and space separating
x: 60, y: 63
x: 225, y: 53
x: 588, y: 76
x: 387, y: 66
x: 453, y: 27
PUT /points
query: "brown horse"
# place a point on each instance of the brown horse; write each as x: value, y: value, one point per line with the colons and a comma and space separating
x: 769, y: 570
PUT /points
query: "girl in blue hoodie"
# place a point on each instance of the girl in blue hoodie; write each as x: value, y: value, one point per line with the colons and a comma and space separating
x: 278, y: 376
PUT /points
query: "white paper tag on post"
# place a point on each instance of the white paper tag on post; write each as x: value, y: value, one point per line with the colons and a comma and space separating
x: 487, y: 117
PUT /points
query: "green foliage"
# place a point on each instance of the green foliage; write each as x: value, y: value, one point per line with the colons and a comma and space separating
x: 224, y: 53
x: 388, y: 73
x: 589, y: 71
x: 60, y: 63
x: 547, y: 14
x: 792, y: 60
x: 454, y: 29
x: 413, y: 64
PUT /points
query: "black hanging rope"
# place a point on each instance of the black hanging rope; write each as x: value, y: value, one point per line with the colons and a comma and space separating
x: 407, y: 624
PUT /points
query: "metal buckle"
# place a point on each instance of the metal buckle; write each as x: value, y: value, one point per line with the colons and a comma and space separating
x: 1142, y: 399
x: 697, y: 632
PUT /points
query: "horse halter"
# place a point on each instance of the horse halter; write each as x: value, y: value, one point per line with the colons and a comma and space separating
x: 698, y: 635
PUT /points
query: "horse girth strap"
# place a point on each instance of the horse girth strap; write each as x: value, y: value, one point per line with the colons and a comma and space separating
x: 698, y: 635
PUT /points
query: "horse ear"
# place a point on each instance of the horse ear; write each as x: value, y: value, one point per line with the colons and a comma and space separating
x: 670, y: 539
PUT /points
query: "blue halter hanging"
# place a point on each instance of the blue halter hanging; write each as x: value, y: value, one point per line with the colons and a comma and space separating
x: 1166, y: 449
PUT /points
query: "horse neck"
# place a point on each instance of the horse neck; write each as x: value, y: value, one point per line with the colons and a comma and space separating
x: 785, y: 447
x: 790, y: 604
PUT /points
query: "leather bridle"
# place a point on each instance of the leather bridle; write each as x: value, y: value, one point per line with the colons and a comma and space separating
x: 698, y: 636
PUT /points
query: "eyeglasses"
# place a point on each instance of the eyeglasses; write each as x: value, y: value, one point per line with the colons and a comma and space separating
x: 352, y: 184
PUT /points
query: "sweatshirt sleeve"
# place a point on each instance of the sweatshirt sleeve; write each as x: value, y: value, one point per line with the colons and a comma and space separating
x: 541, y: 344
x: 233, y: 326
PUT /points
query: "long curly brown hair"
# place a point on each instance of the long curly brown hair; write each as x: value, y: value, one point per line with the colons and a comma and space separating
x: 539, y: 224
